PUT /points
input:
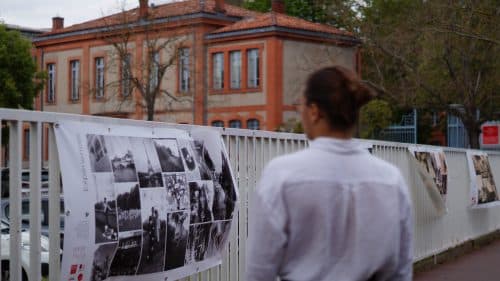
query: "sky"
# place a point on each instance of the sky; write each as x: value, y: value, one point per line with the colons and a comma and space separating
x: 39, y: 13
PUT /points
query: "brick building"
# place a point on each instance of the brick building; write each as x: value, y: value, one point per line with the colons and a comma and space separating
x: 234, y: 67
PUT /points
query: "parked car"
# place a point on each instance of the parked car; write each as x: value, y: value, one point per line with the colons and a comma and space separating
x: 25, y: 181
x: 25, y: 253
x: 44, y: 214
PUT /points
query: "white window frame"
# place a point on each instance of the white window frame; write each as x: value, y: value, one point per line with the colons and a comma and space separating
x: 218, y: 70
x: 253, y: 71
x: 184, y: 86
x: 75, y: 80
x: 235, y: 69
x: 99, y: 77
x: 217, y: 123
x: 251, y: 124
x: 233, y: 122
x: 51, y: 83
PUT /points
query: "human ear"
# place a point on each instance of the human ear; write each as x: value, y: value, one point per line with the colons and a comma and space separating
x: 314, y: 113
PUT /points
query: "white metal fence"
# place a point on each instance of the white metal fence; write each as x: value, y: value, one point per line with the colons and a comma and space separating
x: 249, y: 151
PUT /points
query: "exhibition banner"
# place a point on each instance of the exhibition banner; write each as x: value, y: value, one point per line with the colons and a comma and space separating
x: 433, y: 170
x: 483, y: 191
x: 143, y: 203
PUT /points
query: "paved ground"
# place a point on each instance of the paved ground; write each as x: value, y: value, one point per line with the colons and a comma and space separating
x: 480, y: 265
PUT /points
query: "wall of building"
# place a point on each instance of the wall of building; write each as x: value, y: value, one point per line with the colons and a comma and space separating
x: 233, y: 104
x: 62, y: 103
x: 302, y: 58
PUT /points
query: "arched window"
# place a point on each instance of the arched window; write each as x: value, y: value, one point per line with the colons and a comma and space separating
x: 235, y: 124
x: 217, y: 123
x: 253, y: 124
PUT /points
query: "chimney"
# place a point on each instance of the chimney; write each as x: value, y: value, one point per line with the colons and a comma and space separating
x: 219, y: 6
x: 143, y: 9
x: 278, y: 6
x: 57, y: 23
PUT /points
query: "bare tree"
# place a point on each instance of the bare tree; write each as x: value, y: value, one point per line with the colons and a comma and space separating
x: 144, y: 75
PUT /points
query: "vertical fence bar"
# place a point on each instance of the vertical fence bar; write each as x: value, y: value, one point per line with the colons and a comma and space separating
x: 233, y: 253
x: 15, y: 166
x: 1, y: 188
x: 243, y: 189
x: 54, y: 208
x: 35, y: 203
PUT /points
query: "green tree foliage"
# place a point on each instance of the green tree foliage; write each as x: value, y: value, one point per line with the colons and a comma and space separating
x: 338, y: 13
x: 19, y: 80
x: 374, y: 117
x: 433, y: 54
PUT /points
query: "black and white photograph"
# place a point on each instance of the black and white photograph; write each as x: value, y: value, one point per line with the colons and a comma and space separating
x: 98, y: 153
x: 122, y: 159
x: 102, y: 261
x: 177, y: 192
x: 154, y: 225
x: 128, y: 203
x: 127, y: 255
x: 169, y: 155
x: 177, y: 237
x: 146, y: 162
x: 215, y: 164
x: 219, y: 235
x: 434, y: 164
x: 189, y: 156
x: 199, y: 236
x: 201, y: 200
x: 105, y: 209
x: 224, y: 192
x: 204, y: 161
x: 486, y: 187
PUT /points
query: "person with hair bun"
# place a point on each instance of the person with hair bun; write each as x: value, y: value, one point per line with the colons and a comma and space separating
x: 332, y: 211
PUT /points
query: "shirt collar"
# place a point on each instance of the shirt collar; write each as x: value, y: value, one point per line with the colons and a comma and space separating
x: 341, y: 146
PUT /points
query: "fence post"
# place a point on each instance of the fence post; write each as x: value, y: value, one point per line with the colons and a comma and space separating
x: 54, y: 208
x: 35, y: 273
x: 15, y: 167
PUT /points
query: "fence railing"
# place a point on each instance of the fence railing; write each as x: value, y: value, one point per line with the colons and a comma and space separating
x: 249, y: 151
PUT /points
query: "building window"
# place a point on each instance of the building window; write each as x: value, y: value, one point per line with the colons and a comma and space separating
x: 75, y: 80
x: 235, y: 124
x: 235, y: 72
x: 99, y: 77
x: 184, y: 70
x: 253, y: 124
x: 51, y: 83
x: 126, y: 75
x: 218, y: 123
x: 253, y: 68
x: 218, y: 71
x: 155, y: 66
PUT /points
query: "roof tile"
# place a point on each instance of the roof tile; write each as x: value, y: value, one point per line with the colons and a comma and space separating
x: 281, y: 20
x: 160, y: 11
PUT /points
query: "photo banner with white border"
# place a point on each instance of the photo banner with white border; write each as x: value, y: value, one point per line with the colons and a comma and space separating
x: 143, y: 203
x: 483, y: 191
x: 433, y: 170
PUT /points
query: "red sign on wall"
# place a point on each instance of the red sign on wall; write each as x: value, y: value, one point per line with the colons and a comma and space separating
x: 490, y: 134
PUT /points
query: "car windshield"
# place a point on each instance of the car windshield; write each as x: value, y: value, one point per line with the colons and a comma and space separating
x: 25, y: 175
x: 44, y: 215
x: 5, y: 227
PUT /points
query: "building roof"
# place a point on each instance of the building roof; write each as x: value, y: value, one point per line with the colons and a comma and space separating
x: 280, y: 20
x: 158, y: 12
x: 240, y: 22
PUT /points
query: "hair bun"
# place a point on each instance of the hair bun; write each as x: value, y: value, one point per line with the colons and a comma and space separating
x: 363, y: 94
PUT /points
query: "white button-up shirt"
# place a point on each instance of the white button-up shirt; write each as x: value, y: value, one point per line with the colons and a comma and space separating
x: 330, y: 212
